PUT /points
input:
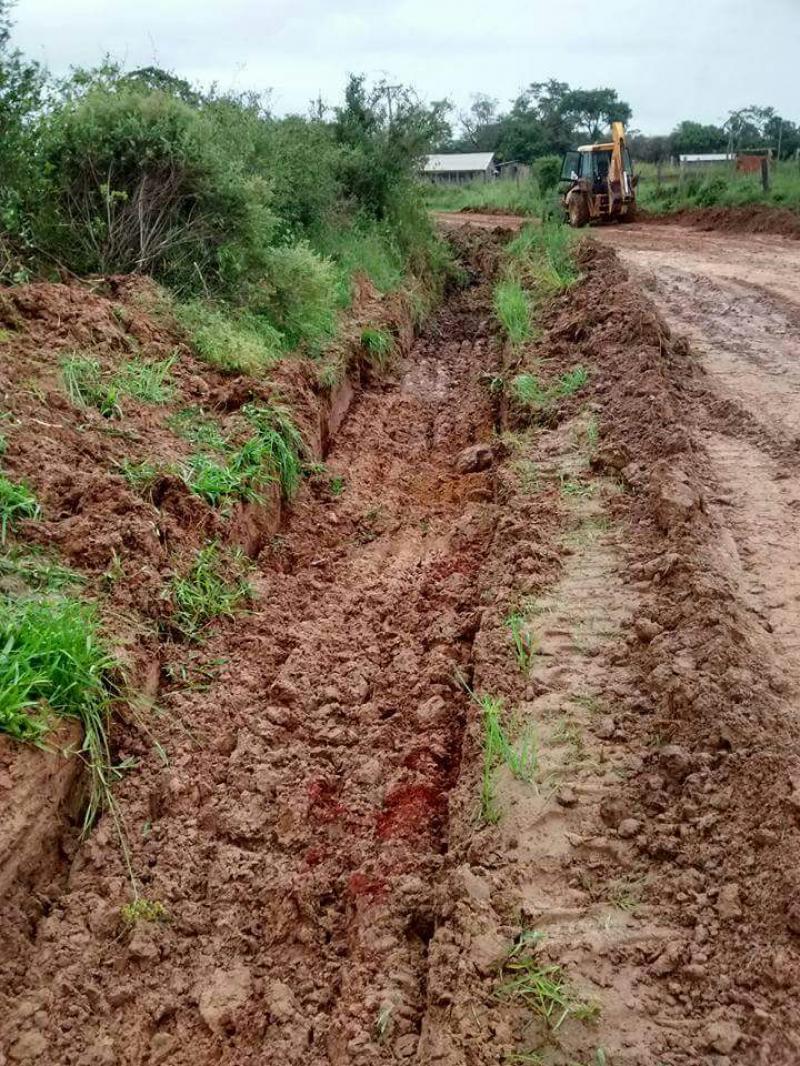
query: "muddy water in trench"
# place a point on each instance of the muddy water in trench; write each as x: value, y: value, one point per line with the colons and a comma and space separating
x: 297, y: 833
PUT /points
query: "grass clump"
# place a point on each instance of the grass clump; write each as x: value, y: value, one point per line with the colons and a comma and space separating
x: 140, y: 476
x: 87, y: 386
x: 271, y: 454
x: 31, y: 571
x: 150, y: 382
x: 237, y: 344
x: 539, y: 986
x: 17, y: 501
x: 143, y: 910
x: 524, y: 645
x: 198, y: 427
x: 544, y: 257
x: 513, y: 310
x: 52, y: 659
x: 529, y: 391
x: 522, y: 760
x: 378, y: 344
x: 83, y: 379
x: 205, y: 592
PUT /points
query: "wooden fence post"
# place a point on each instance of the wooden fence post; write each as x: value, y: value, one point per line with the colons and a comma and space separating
x: 765, y: 174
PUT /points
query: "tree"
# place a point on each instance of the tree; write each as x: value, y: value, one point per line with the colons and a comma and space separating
x: 21, y: 86
x: 694, y: 137
x: 591, y: 111
x: 480, y: 124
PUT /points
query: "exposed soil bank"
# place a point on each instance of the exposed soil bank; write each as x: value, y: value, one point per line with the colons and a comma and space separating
x: 748, y: 218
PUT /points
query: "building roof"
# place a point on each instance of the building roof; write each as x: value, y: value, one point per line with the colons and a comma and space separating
x: 457, y: 161
x: 708, y: 157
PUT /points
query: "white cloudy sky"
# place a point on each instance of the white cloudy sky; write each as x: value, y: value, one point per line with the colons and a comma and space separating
x: 671, y: 59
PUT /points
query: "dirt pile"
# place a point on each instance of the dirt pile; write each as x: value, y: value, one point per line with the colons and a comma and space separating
x: 749, y: 218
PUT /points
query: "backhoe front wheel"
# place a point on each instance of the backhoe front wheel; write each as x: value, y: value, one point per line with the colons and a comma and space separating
x: 577, y: 210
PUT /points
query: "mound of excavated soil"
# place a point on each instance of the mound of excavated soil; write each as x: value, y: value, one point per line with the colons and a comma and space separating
x: 750, y: 218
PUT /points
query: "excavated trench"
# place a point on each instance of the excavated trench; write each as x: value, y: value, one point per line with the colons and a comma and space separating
x: 328, y: 891
x: 295, y: 839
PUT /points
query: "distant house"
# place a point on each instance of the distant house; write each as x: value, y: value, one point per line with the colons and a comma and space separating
x: 705, y: 159
x: 458, y: 167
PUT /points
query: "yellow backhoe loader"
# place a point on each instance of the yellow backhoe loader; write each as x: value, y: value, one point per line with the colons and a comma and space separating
x: 600, y: 181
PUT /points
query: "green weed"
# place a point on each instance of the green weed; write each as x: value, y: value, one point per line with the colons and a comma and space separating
x: 143, y: 910
x: 336, y: 484
x: 571, y: 486
x: 524, y: 645
x: 513, y: 311
x: 530, y: 392
x: 280, y: 445
x: 236, y: 343
x: 378, y: 344
x: 85, y: 386
x: 148, y: 382
x: 17, y: 501
x: 53, y: 659
x: 540, y: 986
x: 140, y: 476
x: 204, y: 592
x: 196, y: 426
x: 522, y: 759
x: 34, y: 572
x: 544, y: 257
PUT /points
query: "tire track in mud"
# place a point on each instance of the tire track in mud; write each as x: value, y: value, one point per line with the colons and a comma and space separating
x: 295, y: 846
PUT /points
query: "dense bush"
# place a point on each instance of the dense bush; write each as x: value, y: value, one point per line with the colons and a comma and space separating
x: 139, y: 181
x: 547, y: 171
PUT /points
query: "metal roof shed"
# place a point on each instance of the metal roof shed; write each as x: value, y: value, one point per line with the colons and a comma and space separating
x: 459, y: 167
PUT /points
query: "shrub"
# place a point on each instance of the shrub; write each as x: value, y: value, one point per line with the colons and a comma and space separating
x: 141, y: 181
x: 547, y: 171
x: 236, y: 343
x: 298, y: 295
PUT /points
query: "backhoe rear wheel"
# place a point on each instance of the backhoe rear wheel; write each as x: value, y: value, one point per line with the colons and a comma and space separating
x: 578, y: 210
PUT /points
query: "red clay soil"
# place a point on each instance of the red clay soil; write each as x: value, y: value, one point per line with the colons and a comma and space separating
x: 295, y: 837
x: 749, y: 218
x: 330, y: 895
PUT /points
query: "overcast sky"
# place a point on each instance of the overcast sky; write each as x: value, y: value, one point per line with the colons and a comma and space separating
x: 670, y: 59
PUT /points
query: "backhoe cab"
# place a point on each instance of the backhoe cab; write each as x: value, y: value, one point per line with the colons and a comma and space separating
x: 601, y: 182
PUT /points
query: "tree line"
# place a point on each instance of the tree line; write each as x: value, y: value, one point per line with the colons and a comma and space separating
x: 550, y: 117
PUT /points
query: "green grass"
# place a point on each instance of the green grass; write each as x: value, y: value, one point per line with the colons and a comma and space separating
x: 521, y: 759
x: 716, y: 188
x: 85, y: 386
x: 236, y: 344
x: 516, y: 199
x: 529, y: 391
x: 544, y: 257
x: 205, y: 592
x: 272, y: 454
x: 512, y: 309
x: 17, y: 501
x: 88, y: 386
x: 540, y: 986
x: 198, y: 427
x: 378, y: 344
x: 524, y: 646
x: 140, y: 476
x: 31, y: 571
x: 149, y: 382
x: 52, y: 659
